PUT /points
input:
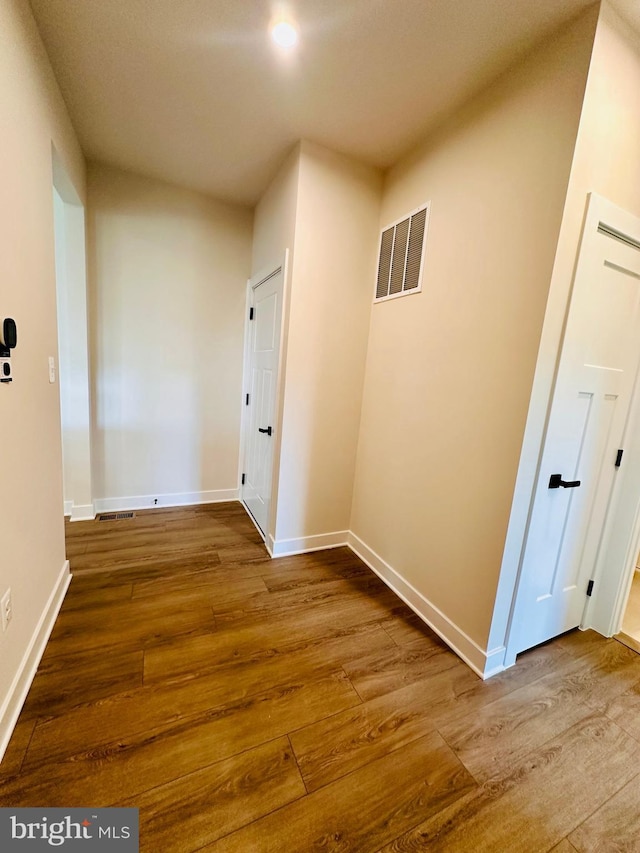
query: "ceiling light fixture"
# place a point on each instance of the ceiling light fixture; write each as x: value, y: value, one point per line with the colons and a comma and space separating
x: 284, y: 34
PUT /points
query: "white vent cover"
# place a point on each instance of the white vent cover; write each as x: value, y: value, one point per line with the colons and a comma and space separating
x: 401, y: 254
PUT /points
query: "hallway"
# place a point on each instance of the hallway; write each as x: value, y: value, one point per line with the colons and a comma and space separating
x: 247, y: 704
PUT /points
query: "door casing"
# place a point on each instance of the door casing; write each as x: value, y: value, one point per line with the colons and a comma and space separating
x: 613, y: 571
x: 252, y: 284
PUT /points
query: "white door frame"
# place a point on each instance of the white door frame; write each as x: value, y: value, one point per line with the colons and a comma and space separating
x: 614, y: 566
x: 252, y: 284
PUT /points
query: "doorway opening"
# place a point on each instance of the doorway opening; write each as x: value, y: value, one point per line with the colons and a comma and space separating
x: 630, y: 629
x: 72, y: 371
x: 261, y: 396
x: 584, y: 528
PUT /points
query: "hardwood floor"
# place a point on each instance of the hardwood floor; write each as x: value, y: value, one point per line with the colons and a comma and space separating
x: 247, y: 704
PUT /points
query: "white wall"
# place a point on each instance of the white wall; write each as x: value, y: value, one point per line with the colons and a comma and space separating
x: 73, y: 351
x: 168, y: 271
x: 449, y: 371
x: 32, y: 116
x: 606, y: 161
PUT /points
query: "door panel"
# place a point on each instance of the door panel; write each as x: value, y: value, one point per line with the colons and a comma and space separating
x: 264, y: 350
x: 593, y: 392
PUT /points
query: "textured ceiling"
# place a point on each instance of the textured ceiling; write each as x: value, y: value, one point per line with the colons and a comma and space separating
x: 192, y: 91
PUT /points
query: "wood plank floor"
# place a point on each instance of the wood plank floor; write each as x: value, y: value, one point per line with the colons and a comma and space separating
x: 247, y: 704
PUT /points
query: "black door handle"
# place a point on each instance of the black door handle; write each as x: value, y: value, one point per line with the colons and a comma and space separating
x: 267, y: 431
x: 555, y: 481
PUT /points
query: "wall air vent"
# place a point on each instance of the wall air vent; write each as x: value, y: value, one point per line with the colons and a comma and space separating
x: 116, y: 516
x: 401, y: 255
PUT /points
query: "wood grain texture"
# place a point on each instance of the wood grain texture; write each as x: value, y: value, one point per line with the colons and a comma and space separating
x: 213, y: 802
x: 123, y: 768
x: 390, y: 669
x: 539, y: 801
x: 564, y: 846
x: 506, y: 730
x: 161, y: 704
x: 248, y: 704
x: 340, y: 744
x: 316, y: 568
x: 393, y: 793
x: 624, y: 709
x: 79, y: 678
x: 614, y: 827
x: 246, y: 639
x: 17, y: 749
x: 408, y: 630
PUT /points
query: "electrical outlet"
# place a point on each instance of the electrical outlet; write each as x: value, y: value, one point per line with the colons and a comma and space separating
x: 6, y: 609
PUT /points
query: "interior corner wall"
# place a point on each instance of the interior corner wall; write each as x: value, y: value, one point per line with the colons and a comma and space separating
x: 167, y: 272
x: 274, y: 234
x: 274, y: 223
x: 449, y: 371
x: 331, y: 289
x: 606, y: 161
x: 33, y: 118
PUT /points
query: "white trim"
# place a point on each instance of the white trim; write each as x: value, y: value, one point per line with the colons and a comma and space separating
x: 83, y: 513
x: 175, y: 499
x: 283, y: 267
x: 68, y: 506
x: 376, y: 299
x: 496, y: 661
x: 287, y: 278
x: 245, y: 384
x: 483, y: 663
x: 12, y: 705
x: 601, y: 612
x: 253, y: 521
x: 320, y: 542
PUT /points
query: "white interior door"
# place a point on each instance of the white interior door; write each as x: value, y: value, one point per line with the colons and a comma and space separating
x: 264, y: 350
x: 591, y: 400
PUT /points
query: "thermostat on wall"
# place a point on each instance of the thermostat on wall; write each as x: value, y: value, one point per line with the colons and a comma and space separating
x: 5, y: 370
x: 8, y: 340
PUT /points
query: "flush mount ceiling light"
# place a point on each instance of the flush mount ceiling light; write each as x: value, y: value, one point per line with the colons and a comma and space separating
x: 284, y: 34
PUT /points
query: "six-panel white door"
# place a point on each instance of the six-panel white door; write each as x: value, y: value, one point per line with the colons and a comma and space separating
x: 594, y: 386
x: 265, y: 331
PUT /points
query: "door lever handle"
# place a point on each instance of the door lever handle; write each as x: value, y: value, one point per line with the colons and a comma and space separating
x: 267, y: 431
x: 556, y: 481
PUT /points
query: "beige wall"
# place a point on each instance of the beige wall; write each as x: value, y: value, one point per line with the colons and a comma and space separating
x: 449, y: 370
x: 32, y: 117
x: 274, y: 225
x: 274, y: 234
x: 606, y: 161
x: 332, y: 285
x: 168, y: 271
x: 323, y: 208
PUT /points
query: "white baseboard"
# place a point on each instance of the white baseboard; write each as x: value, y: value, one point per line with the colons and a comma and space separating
x: 68, y: 506
x: 83, y: 513
x: 496, y: 661
x: 12, y: 705
x: 466, y: 648
x: 176, y: 499
x: 289, y: 547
